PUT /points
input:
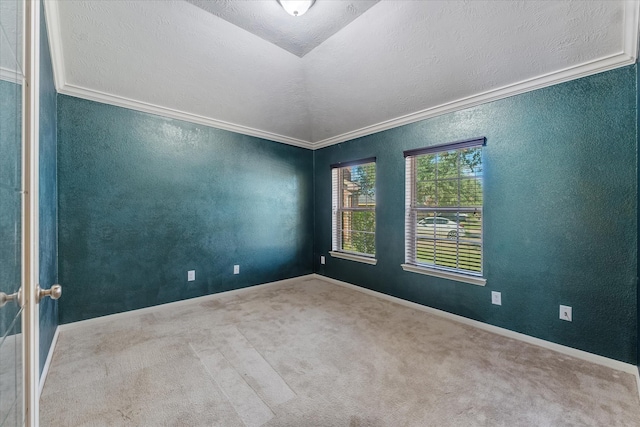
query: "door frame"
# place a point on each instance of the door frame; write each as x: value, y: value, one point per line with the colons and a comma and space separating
x: 30, y: 210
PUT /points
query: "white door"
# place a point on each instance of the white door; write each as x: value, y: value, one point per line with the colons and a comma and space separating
x: 12, y: 408
x: 19, y: 64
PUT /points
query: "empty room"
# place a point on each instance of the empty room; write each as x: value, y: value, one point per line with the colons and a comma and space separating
x: 319, y: 213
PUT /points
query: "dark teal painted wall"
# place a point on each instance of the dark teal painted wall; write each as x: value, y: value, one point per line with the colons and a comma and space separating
x: 48, y: 197
x: 10, y: 231
x: 143, y: 199
x: 638, y: 208
x: 560, y: 213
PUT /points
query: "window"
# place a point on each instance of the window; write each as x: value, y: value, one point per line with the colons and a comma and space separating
x: 443, y: 211
x: 354, y: 210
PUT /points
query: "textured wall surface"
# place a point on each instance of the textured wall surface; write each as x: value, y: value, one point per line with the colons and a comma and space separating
x: 48, y: 195
x: 144, y: 199
x: 560, y: 213
x: 638, y: 169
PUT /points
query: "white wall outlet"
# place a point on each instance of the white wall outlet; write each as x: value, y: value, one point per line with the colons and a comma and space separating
x: 191, y: 275
x: 236, y: 269
x: 322, y: 260
x: 565, y: 313
x: 496, y: 298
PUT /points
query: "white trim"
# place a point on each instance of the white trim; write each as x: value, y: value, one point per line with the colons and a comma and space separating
x: 631, y: 17
x: 594, y: 67
x: 59, y: 73
x: 583, y: 355
x: 569, y: 351
x: 120, y: 101
x: 55, y: 42
x: 628, y: 56
x: 638, y: 378
x: 11, y: 76
x: 47, y: 363
x: 354, y: 257
x: 451, y: 275
x: 30, y: 210
x: 169, y: 305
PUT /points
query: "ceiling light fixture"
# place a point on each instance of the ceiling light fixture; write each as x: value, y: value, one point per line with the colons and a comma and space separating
x: 296, y: 7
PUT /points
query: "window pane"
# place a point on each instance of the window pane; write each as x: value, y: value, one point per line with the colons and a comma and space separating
x: 447, y: 193
x: 472, y: 224
x: 426, y: 194
x: 358, y: 183
x: 447, y: 206
x: 358, y: 231
x: 435, y: 225
x: 447, y: 164
x: 450, y: 239
x: 471, y: 162
x: 470, y: 256
x: 471, y: 192
x: 354, y: 201
x: 426, y: 167
x: 358, y: 241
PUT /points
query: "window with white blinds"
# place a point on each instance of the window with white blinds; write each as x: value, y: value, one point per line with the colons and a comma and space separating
x: 353, y: 223
x: 443, y: 208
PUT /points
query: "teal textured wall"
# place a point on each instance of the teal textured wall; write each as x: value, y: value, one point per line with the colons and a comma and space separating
x: 638, y: 207
x: 48, y: 197
x: 560, y: 213
x: 143, y: 199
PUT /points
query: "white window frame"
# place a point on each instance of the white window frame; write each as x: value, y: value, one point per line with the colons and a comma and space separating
x: 337, y: 209
x: 411, y: 217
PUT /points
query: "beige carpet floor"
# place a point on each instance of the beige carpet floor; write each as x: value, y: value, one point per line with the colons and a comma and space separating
x: 310, y: 353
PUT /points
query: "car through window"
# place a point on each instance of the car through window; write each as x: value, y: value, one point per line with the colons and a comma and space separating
x: 443, y: 207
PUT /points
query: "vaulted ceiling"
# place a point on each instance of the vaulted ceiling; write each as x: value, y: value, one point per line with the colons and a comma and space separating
x: 343, y: 70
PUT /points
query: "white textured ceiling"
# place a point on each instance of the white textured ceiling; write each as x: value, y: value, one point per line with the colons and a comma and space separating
x: 298, y: 35
x: 398, y: 62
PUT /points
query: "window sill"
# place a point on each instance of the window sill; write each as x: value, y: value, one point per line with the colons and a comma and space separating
x: 353, y: 257
x: 479, y: 281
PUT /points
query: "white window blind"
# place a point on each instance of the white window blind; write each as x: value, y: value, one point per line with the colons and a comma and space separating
x: 443, y: 207
x: 353, y: 219
x: 335, y: 197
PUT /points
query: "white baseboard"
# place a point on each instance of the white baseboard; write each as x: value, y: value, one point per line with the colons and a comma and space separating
x: 169, y: 305
x: 47, y: 363
x: 579, y: 354
x: 638, y: 378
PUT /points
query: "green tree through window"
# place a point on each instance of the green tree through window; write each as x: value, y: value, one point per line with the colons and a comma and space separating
x: 354, y: 208
x: 444, y: 207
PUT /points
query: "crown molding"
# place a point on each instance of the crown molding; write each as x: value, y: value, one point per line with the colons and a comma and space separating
x: 120, y: 101
x: 59, y: 74
x: 11, y: 76
x: 598, y: 66
x: 52, y: 21
x: 627, y: 56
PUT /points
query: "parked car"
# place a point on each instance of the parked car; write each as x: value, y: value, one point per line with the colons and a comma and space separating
x: 457, y: 217
x: 443, y: 227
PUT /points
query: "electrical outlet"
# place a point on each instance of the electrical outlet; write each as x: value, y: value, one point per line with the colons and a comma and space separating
x: 236, y: 269
x: 322, y: 259
x: 496, y: 298
x: 565, y: 313
x: 191, y: 275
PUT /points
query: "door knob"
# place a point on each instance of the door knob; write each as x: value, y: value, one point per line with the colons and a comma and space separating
x: 55, y: 292
x: 16, y: 296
